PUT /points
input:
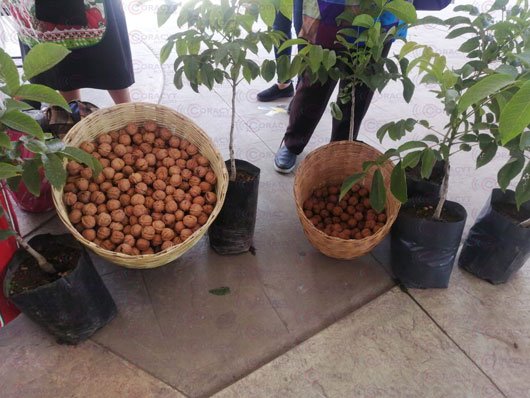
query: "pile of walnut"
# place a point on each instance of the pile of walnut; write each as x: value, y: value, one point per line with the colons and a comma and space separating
x: 155, y: 190
x: 350, y: 218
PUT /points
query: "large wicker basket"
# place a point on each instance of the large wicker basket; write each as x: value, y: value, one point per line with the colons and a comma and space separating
x: 116, y: 117
x: 330, y: 165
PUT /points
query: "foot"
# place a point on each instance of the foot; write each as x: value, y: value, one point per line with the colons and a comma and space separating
x: 274, y: 92
x: 284, y: 160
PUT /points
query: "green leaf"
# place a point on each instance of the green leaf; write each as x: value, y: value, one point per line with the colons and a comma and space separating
x: 164, y: 12
x: 487, y: 154
x: 524, y: 142
x: 8, y: 170
x: 336, y: 112
x: 469, y: 45
x: 40, y: 93
x: 398, y: 183
x: 408, y: 89
x: 403, y: 10
x: 165, y: 51
x: 35, y: 146
x: 221, y: 291
x: 290, y: 43
x: 54, y: 170
x: 522, y: 191
x: 8, y: 72
x: 510, y: 170
x: 460, y: 31
x: 22, y: 122
x: 465, y: 147
x: 428, y: 160
x: 363, y: 20
x: 31, y: 176
x: 42, y: 57
x: 412, y: 145
x: 283, y: 68
x: 483, y: 89
x: 515, y: 116
x: 267, y: 13
x: 378, y: 192
x: 498, y: 5
x: 6, y: 233
x: 55, y: 145
x: 82, y: 157
x: 5, y: 142
x: 349, y: 182
x: 411, y: 159
x: 315, y: 58
x: 15, y: 105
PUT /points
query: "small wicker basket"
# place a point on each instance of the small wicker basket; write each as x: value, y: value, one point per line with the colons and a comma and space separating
x: 116, y: 117
x: 330, y: 165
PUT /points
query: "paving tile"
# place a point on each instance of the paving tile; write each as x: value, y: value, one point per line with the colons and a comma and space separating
x: 388, y: 348
x: 33, y: 365
x: 490, y: 323
x: 28, y: 222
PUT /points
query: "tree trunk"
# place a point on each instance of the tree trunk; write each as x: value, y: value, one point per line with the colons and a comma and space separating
x: 233, y: 171
x: 43, y: 263
x: 352, y: 115
x: 445, y: 190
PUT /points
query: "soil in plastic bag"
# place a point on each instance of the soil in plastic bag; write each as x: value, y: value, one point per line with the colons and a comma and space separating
x: 233, y: 229
x: 497, y: 247
x: 418, y: 187
x: 71, y: 305
x: 423, y: 251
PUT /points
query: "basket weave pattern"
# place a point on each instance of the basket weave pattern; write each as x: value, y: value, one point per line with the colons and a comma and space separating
x: 115, y: 118
x: 330, y: 165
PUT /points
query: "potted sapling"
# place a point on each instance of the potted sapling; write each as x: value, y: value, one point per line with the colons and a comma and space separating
x: 50, y: 278
x: 498, y: 244
x: 217, y: 47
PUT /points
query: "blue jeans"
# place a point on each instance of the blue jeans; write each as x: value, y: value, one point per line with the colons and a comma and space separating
x: 284, y: 24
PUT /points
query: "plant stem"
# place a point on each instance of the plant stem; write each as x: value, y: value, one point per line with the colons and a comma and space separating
x: 43, y: 263
x: 525, y: 224
x: 233, y: 171
x: 445, y: 190
x: 352, y: 115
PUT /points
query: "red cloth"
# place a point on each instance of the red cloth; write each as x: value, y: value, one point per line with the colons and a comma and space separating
x: 7, y: 248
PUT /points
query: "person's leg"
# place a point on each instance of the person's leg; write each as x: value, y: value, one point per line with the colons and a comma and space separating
x: 309, y: 103
x: 120, y: 96
x: 363, y: 98
x: 71, y: 95
x: 298, y: 17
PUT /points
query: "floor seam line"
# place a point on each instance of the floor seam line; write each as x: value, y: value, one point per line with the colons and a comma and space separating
x: 453, y: 341
x: 123, y: 358
x: 273, y: 308
x: 53, y: 215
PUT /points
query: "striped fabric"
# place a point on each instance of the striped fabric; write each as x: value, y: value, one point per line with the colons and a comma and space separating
x: 319, y: 24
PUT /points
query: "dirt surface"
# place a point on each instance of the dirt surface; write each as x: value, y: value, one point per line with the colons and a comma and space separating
x: 29, y: 275
x: 427, y: 212
x: 509, y: 210
x: 243, y: 176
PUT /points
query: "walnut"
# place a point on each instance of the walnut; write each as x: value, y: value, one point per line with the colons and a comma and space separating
x: 116, y: 226
x: 88, y: 147
x: 89, y: 209
x: 184, y: 155
x: 93, y: 187
x: 88, y: 221
x: 198, y: 200
x: 191, y: 164
x: 210, y: 177
x: 148, y: 232
x: 179, y: 226
x: 136, y: 230
x: 118, y: 177
x: 210, y: 197
x: 105, y: 186
x: 97, y: 197
x: 137, y: 199
x: 140, y: 210
x: 135, y: 178
x: 171, y: 206
x: 117, y: 164
x: 169, y: 219
x: 82, y: 184
x: 74, y: 168
x: 174, y: 142
x: 159, y: 206
x: 157, y: 240
x: 108, y: 245
x: 117, y: 237
x: 124, y: 248
x: 203, y: 161
x: 104, y: 162
x: 167, y: 234
x: 141, y: 164
x: 159, y: 195
x: 194, y: 181
x: 159, y: 185
x: 69, y: 198
x: 166, y: 245
x: 200, y: 171
x: 149, y: 201
x: 158, y: 225
x: 109, y: 172
x: 113, y: 204
x: 70, y: 187
x: 195, y: 210
x: 103, y: 219
x: 186, y: 174
x: 195, y: 191
x: 145, y: 220
x: 150, y: 159
x: 202, y: 219
x: 78, y: 206
x: 124, y: 185
x: 75, y: 216
x: 141, y: 188
x: 104, y: 149
x: 86, y: 173
x: 185, y: 234
x: 124, y: 139
x: 117, y: 215
x: 142, y: 244
x: 208, y: 209
x: 190, y: 221
x: 131, y: 128
x: 129, y: 239
x: 156, y: 216
x: 83, y: 197
x: 205, y: 186
x: 133, y: 220
x: 89, y: 234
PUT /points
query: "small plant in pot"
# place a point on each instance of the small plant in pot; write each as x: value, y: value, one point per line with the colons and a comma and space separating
x: 217, y: 47
x: 498, y: 72
x: 51, y: 279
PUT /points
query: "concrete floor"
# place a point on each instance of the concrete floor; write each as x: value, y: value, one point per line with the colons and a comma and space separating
x: 297, y: 324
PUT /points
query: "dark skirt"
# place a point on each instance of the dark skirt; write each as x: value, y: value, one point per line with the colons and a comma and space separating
x: 106, y: 65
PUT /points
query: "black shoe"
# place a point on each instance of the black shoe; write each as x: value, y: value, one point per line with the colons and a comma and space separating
x: 274, y: 92
x: 284, y: 160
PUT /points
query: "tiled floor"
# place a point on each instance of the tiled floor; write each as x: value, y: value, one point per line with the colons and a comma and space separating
x: 296, y: 324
